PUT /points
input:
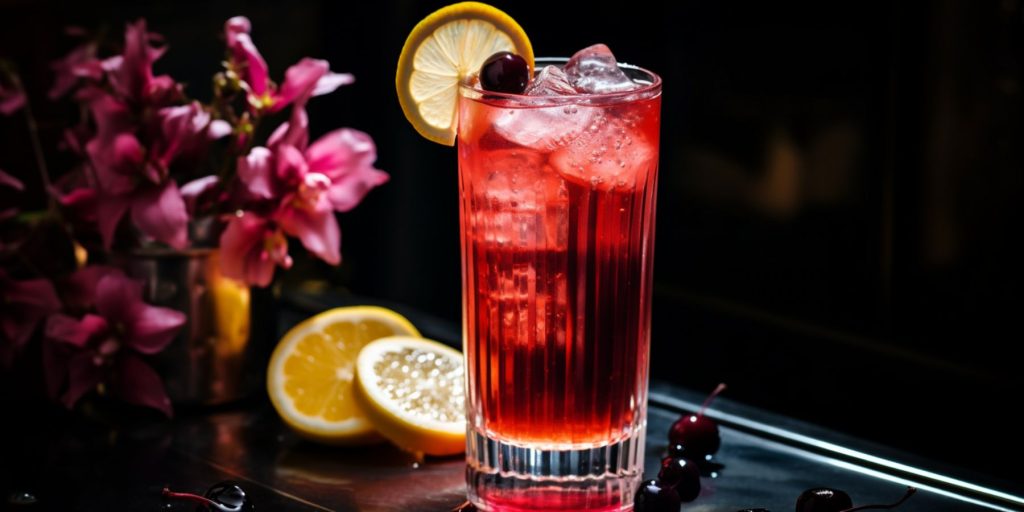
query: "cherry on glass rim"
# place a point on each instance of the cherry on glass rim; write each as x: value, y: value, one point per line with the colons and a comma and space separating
x: 505, y: 72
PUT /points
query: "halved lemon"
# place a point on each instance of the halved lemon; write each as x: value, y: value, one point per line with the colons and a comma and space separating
x: 311, y: 372
x: 412, y: 391
x: 442, y: 50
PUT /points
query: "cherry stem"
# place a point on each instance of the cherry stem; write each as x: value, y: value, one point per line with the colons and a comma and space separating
x: 186, y: 496
x: 714, y: 394
x: 910, y: 492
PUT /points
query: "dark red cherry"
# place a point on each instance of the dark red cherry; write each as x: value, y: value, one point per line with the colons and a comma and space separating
x: 505, y: 72
x: 694, y: 437
x: 681, y: 474
x: 652, y: 496
x: 823, y: 499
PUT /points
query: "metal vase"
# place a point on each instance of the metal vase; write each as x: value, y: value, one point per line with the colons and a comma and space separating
x: 206, y: 363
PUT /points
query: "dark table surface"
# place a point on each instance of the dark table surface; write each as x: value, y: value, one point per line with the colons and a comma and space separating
x: 92, y: 463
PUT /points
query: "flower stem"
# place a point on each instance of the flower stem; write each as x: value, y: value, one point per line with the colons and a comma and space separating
x: 37, y: 146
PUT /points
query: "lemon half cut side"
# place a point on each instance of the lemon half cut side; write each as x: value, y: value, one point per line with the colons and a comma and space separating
x: 412, y: 389
x: 311, y: 373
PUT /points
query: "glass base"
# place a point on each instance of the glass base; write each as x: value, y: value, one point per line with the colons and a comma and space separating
x: 503, y: 477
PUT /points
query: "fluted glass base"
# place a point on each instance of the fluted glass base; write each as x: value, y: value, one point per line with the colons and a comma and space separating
x: 504, y: 477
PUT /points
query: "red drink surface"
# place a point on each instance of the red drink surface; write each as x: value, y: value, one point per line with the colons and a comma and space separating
x: 557, y: 222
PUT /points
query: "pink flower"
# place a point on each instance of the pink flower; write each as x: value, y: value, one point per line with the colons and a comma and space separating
x: 23, y: 305
x: 11, y: 99
x: 78, y: 291
x: 307, y: 78
x: 106, y: 347
x: 137, y: 179
x: 310, y: 183
x: 80, y: 63
x: 127, y: 181
x: 131, y: 73
x: 251, y: 248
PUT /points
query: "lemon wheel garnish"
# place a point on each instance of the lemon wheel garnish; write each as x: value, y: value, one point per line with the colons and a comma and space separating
x: 310, y: 375
x: 412, y: 391
x: 442, y: 50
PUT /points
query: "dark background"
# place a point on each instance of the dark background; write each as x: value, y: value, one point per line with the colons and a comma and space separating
x: 839, y: 203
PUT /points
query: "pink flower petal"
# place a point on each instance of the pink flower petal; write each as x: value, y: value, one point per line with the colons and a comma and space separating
x: 219, y: 128
x: 79, y: 289
x: 136, y: 383
x: 11, y: 181
x: 11, y: 100
x: 300, y: 80
x: 134, y: 74
x: 109, y: 211
x: 291, y: 167
x: 71, y: 191
x: 183, y: 132
x: 114, y: 152
x: 112, y: 64
x: 150, y: 328
x: 249, y: 64
x: 163, y: 90
x: 316, y: 228
x: 331, y: 81
x: 346, y: 156
x: 251, y: 248
x: 349, y: 190
x: 83, y: 376
x: 199, y: 192
x: 75, y: 332
x: 160, y: 213
x: 116, y: 297
x: 293, y: 133
x: 25, y: 304
x: 255, y: 172
x: 234, y: 26
x: 79, y: 62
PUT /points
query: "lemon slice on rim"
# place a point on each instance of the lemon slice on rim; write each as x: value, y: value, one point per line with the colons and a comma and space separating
x: 310, y: 375
x: 442, y: 50
x: 412, y: 391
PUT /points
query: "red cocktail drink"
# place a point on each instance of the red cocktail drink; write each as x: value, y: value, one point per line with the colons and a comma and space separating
x: 557, y: 219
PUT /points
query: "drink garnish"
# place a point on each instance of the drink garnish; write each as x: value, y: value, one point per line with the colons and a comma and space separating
x: 444, y: 49
x: 309, y: 378
x: 412, y: 391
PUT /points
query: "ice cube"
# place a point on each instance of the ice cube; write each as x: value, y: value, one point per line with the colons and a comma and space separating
x: 551, y: 81
x: 608, y: 154
x: 521, y: 201
x: 593, y: 70
x: 544, y: 128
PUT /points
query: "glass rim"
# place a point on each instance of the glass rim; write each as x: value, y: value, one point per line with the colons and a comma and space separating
x: 648, y: 90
